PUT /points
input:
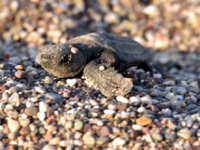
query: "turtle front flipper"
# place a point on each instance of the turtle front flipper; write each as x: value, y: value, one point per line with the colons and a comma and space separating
x: 106, y: 79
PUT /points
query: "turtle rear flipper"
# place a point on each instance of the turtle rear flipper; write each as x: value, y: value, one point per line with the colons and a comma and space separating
x: 106, y: 79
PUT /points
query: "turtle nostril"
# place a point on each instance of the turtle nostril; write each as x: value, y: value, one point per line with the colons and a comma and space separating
x: 46, y: 56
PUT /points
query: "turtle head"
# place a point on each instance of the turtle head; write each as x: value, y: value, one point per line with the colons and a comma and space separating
x: 61, y: 60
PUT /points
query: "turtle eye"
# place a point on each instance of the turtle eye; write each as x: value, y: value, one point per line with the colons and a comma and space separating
x: 66, y: 59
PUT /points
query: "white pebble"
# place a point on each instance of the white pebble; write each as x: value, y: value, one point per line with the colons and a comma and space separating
x: 122, y: 99
x: 118, y: 142
x: 9, y: 107
x: 40, y: 89
x: 33, y: 99
x: 41, y: 116
x: 43, y: 107
x: 135, y: 100
x: 137, y: 127
x: 141, y: 110
x: 29, y: 104
x: 111, y: 106
x: 63, y: 143
x: 151, y: 10
x: 146, y: 99
x: 101, y: 68
x: 148, y: 138
x: 14, y: 98
x: 14, y: 5
x: 49, y: 147
x: 124, y: 114
x: 111, y: 18
x: 71, y: 82
x: 108, y: 111
x: 13, y: 125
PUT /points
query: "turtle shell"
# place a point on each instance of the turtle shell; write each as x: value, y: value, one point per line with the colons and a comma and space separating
x: 126, y: 49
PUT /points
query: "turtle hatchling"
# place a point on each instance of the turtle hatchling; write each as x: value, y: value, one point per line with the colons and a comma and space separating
x: 100, y: 57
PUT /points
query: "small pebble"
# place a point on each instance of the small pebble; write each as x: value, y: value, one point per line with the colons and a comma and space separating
x: 137, y: 127
x: 14, y: 98
x: 70, y: 117
x: 48, y: 80
x: 146, y: 99
x: 143, y: 121
x: 101, y: 140
x: 78, y: 125
x: 71, y: 82
x: 166, y: 112
x: 63, y: 143
x: 19, y: 67
x: 2, y: 65
x: 105, y: 131
x: 43, y: 107
x: 53, y: 96
x: 181, y: 90
x: 88, y: 139
x: 118, y: 142
x: 169, y: 82
x: 2, y: 146
x: 111, y: 18
x: 135, y: 100
x: 24, y: 122
x: 13, y: 125
x: 77, y: 135
x: 68, y: 125
x: 49, y: 147
x: 122, y: 99
x: 55, y: 141
x: 151, y: 11
x: 157, y: 136
x: 19, y: 74
x: 25, y: 131
x: 40, y: 89
x: 184, y: 133
x: 141, y: 110
x: 41, y: 116
x: 109, y: 111
x: 101, y: 68
x: 31, y: 111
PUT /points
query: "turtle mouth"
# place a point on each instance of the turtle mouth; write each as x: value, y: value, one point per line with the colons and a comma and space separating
x: 38, y: 59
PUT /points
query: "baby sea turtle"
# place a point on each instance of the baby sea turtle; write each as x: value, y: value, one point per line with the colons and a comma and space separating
x: 99, y: 56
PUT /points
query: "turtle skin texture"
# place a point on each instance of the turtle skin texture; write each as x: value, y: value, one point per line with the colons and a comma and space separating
x: 100, y: 57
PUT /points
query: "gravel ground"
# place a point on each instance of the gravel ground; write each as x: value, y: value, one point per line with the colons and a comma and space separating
x: 38, y: 111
